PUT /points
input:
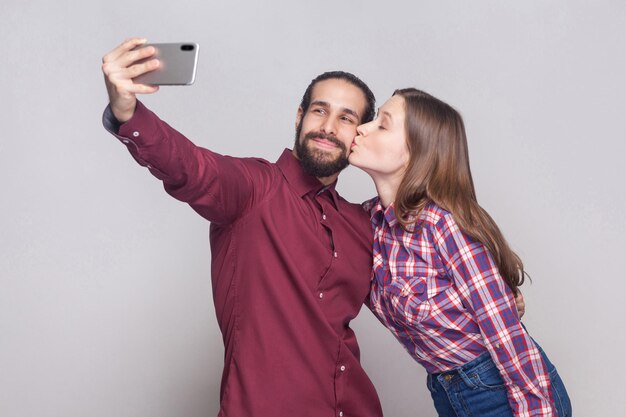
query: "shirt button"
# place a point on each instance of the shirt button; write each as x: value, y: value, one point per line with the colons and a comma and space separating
x: 321, y: 295
x: 341, y: 414
x: 335, y: 254
x: 136, y: 134
x: 323, y: 217
x: 342, y: 368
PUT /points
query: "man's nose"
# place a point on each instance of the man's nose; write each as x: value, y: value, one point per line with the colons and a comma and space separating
x: 329, y: 126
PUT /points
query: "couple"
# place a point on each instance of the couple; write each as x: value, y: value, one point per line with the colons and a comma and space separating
x: 291, y: 260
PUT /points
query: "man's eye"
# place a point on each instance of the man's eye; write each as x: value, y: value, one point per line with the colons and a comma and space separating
x: 347, y: 119
x: 381, y: 127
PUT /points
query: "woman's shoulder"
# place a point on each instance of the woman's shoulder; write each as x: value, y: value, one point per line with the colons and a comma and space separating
x: 433, y: 215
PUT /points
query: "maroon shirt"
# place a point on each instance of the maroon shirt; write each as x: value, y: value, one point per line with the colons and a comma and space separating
x: 291, y: 265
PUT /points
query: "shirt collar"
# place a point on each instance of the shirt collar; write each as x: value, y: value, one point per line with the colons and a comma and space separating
x: 302, y: 182
x: 378, y: 212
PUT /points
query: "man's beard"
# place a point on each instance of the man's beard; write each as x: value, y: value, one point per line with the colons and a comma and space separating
x: 316, y: 162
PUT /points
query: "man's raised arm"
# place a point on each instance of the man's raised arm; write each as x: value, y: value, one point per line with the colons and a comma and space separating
x: 219, y: 188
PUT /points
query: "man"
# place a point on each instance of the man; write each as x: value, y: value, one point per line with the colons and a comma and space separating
x: 291, y: 259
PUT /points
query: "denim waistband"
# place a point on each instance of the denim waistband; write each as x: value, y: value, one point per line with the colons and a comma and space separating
x: 478, y: 363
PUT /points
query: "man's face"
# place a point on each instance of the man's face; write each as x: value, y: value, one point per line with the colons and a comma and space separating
x: 325, y: 132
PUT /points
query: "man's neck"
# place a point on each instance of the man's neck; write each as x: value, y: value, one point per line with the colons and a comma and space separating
x: 328, y: 180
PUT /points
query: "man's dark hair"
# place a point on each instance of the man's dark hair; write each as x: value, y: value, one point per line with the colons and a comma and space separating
x: 370, y: 110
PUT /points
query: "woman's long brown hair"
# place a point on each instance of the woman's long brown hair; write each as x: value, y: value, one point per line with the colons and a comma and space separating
x: 439, y: 171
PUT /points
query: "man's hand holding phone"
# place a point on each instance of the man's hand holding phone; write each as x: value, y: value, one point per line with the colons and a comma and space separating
x: 120, y: 67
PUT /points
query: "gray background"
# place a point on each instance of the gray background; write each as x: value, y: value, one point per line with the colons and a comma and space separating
x: 105, y: 300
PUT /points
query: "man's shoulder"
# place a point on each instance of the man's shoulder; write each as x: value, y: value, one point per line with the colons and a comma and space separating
x: 250, y: 163
x: 355, y: 209
x: 251, y: 160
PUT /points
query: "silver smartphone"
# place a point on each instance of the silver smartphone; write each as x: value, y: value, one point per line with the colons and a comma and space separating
x: 178, y: 64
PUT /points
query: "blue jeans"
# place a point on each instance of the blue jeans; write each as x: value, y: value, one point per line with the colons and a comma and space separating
x: 476, y: 389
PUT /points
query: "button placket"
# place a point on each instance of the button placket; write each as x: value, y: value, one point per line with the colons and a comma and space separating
x: 325, y: 205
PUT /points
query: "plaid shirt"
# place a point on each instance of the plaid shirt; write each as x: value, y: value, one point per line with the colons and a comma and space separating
x: 440, y: 293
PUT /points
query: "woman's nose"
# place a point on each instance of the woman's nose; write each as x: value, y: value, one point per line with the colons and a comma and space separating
x: 361, y: 129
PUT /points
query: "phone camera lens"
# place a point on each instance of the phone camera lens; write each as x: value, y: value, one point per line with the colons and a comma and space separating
x: 187, y: 47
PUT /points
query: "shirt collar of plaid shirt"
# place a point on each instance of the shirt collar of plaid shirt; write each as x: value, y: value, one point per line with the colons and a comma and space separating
x: 380, y: 214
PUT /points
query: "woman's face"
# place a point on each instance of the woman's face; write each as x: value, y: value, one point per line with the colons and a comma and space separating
x: 380, y: 147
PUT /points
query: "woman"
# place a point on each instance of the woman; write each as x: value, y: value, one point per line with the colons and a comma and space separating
x: 444, y: 277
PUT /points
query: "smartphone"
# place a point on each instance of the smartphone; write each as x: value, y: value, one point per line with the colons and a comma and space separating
x: 178, y: 64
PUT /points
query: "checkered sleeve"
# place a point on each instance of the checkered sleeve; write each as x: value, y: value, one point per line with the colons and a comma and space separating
x: 491, y: 302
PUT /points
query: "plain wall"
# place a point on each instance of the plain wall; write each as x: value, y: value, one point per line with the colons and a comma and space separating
x: 105, y: 297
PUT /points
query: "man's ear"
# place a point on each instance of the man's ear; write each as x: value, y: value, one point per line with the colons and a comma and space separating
x: 299, y: 116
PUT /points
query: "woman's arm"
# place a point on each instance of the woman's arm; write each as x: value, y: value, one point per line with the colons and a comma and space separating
x: 493, y: 307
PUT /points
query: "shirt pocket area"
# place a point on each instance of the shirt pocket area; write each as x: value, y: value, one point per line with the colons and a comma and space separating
x: 409, y: 298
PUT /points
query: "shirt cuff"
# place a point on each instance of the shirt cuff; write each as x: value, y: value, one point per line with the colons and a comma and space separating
x: 110, y: 123
x: 141, y: 130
